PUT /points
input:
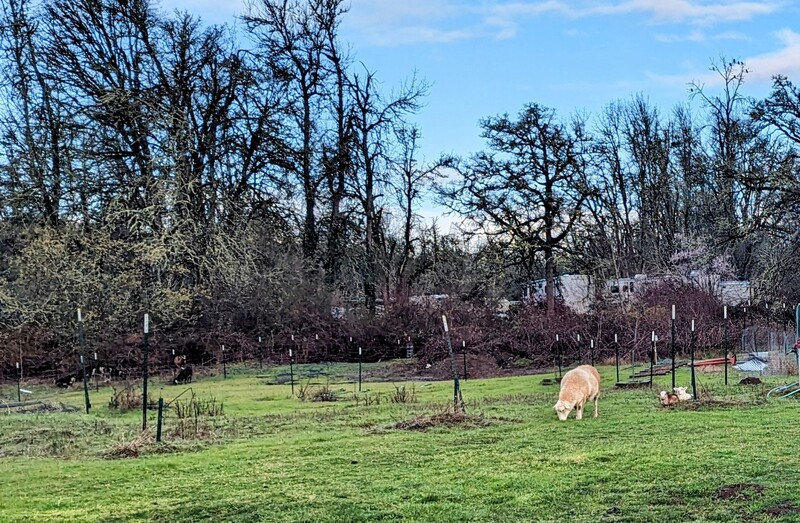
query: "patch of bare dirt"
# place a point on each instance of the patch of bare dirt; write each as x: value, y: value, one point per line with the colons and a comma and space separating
x: 750, y: 380
x: 478, y: 366
x: 739, y: 491
x: 39, y: 408
x: 402, y: 370
x: 711, y: 404
x: 784, y: 508
x: 130, y: 449
x: 446, y: 419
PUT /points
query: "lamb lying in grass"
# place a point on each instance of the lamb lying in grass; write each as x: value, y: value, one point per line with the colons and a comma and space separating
x: 578, y: 386
x: 682, y: 394
x: 668, y: 399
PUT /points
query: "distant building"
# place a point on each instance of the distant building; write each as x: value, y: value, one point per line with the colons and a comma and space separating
x: 733, y: 293
x: 505, y: 305
x: 427, y: 299
x: 573, y: 290
x: 578, y: 292
x: 623, y: 290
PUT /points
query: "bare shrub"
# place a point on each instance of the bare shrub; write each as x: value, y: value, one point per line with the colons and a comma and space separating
x: 304, y: 391
x: 367, y: 400
x: 195, y: 407
x: 126, y: 398
x: 324, y: 393
x: 194, y: 416
x: 403, y: 395
x: 309, y: 392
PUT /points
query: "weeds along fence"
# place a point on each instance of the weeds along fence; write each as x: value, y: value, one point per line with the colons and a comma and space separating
x: 235, y: 359
x: 161, y: 374
x: 275, y: 370
x: 592, y: 341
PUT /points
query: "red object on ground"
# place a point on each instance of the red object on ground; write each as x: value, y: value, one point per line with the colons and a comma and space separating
x: 714, y: 361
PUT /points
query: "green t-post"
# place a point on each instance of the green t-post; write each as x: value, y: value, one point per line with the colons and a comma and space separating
x: 145, y: 369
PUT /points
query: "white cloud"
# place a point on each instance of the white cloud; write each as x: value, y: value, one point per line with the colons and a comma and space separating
x: 697, y: 12
x: 445, y: 220
x: 506, y: 33
x: 392, y: 21
x: 659, y: 10
x: 730, y: 35
x: 761, y: 68
x: 575, y: 33
x: 691, y: 11
x: 669, y: 38
x: 785, y: 61
x: 699, y: 36
x: 391, y: 12
x: 418, y: 34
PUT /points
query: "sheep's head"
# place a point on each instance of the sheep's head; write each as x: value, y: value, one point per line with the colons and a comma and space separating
x: 663, y: 395
x: 680, y: 390
x: 563, y: 408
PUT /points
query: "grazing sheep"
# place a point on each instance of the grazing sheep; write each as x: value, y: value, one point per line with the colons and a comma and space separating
x: 184, y: 376
x: 578, y: 386
x: 668, y: 399
x: 682, y: 394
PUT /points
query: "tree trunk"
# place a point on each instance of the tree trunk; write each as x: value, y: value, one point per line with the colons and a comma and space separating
x: 549, y: 279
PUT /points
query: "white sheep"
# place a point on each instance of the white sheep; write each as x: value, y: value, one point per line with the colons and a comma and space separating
x: 578, y: 386
x: 682, y: 394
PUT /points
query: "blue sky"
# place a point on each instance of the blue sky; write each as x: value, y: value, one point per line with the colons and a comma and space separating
x: 485, y: 58
x: 490, y: 57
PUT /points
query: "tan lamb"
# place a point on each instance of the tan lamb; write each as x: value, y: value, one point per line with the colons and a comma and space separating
x: 668, y: 399
x: 578, y: 386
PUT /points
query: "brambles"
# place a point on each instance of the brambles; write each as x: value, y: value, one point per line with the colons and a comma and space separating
x: 125, y: 399
x: 403, y: 395
x: 324, y: 393
x: 194, y: 417
x: 399, y: 395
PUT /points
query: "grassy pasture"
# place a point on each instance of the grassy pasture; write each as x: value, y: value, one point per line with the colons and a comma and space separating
x: 272, y: 457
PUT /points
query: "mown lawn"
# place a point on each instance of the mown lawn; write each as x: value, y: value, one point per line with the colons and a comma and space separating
x: 276, y: 458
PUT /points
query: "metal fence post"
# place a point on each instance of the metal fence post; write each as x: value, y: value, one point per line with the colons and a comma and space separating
x: 145, y: 370
x: 725, y: 344
x: 87, y: 403
x: 672, y: 346
x: 160, y: 417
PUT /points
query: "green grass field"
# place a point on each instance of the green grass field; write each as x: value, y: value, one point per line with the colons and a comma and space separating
x: 272, y: 457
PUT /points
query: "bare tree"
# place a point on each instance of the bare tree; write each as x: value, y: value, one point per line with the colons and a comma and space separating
x: 372, y: 121
x: 529, y: 188
x: 338, y: 161
x: 293, y: 38
x: 99, y: 50
x: 411, y: 182
x: 34, y: 136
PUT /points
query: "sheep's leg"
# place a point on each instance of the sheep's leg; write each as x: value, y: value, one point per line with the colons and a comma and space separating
x: 595, y: 404
x: 579, y: 409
